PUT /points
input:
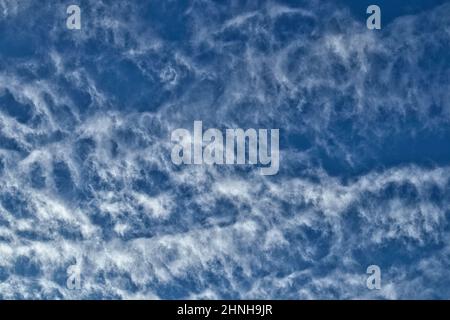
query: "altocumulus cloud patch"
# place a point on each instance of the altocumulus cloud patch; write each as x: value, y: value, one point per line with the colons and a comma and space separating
x: 92, y: 205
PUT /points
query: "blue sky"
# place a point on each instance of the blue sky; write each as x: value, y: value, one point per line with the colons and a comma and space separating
x: 86, y: 175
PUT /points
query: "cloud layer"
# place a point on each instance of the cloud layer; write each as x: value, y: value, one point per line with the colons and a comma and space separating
x: 85, y: 170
